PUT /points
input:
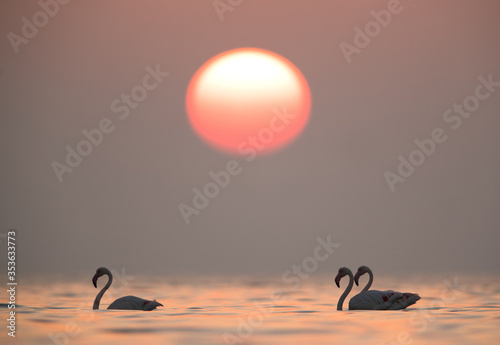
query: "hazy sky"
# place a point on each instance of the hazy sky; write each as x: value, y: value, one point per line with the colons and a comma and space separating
x: 120, y: 206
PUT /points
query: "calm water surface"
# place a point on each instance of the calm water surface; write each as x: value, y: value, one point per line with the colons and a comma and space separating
x: 457, y: 309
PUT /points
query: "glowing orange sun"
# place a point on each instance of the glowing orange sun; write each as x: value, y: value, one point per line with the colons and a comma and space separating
x: 248, y: 99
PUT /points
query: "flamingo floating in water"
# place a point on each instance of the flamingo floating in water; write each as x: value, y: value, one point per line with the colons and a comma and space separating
x: 372, y: 299
x: 126, y: 302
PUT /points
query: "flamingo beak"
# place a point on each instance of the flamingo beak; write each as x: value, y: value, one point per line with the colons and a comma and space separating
x: 337, y: 280
x: 356, y: 278
x: 94, y: 280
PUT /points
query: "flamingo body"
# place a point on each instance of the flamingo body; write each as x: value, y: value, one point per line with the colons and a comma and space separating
x: 134, y: 303
x: 124, y: 303
x: 374, y: 300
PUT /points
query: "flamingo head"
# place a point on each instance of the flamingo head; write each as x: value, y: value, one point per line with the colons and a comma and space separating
x: 361, y: 270
x: 99, y: 272
x: 342, y: 272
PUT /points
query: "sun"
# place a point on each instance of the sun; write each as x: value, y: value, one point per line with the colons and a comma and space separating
x: 248, y: 99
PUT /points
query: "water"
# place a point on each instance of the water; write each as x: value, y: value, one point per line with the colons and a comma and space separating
x: 453, y: 310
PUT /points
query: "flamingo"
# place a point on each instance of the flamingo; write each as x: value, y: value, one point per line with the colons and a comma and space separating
x: 126, y: 302
x: 373, y: 299
x: 406, y: 300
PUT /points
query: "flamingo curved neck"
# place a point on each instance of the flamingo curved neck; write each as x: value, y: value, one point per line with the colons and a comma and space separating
x: 369, y: 281
x: 346, y: 292
x: 97, y: 300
